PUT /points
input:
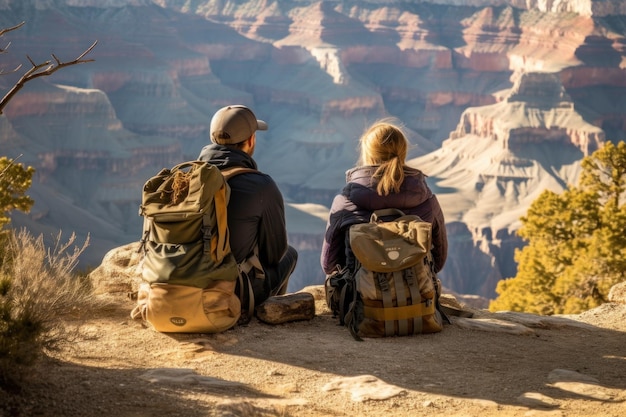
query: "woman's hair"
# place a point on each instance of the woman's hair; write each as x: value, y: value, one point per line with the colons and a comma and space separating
x: 384, y: 145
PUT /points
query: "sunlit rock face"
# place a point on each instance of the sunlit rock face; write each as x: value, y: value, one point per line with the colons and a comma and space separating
x: 501, y: 99
x: 496, y: 162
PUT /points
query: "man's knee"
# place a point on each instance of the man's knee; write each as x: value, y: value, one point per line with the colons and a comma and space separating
x: 279, y: 277
x: 291, y: 259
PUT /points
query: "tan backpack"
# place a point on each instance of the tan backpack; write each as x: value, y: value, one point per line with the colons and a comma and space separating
x: 397, y: 291
x: 189, y: 273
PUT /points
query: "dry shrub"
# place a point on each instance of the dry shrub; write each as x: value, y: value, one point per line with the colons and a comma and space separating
x: 38, y: 290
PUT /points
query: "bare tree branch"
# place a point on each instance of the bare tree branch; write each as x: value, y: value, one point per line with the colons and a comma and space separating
x: 16, y: 69
x: 41, y: 70
x: 3, y: 50
x: 19, y: 25
x: 3, y: 31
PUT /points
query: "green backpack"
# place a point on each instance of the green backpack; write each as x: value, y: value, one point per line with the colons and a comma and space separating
x: 190, y: 277
x: 396, y: 290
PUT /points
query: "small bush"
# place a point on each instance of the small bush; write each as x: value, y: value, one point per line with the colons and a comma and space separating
x: 37, y: 290
x: 15, y: 180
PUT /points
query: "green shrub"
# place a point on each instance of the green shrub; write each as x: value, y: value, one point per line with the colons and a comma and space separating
x: 15, y: 180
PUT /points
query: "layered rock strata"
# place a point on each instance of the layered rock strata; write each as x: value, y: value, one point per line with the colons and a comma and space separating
x: 319, y: 72
x: 497, y: 161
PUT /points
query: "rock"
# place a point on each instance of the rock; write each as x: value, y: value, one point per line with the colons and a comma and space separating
x: 540, y: 322
x: 617, y: 294
x: 317, y: 291
x: 492, y: 325
x: 285, y: 308
x: 450, y: 300
x: 581, y: 384
x: 565, y: 375
x: 119, y: 271
x: 450, y: 306
x: 537, y: 400
x: 319, y: 295
x: 364, y: 387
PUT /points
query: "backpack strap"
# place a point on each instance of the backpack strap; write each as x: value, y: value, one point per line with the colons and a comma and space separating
x: 388, y: 212
x: 139, y: 312
x: 424, y: 308
x: 351, y: 305
x: 445, y: 312
x: 230, y: 172
x: 355, y: 315
x: 219, y: 247
x: 145, y: 234
x: 387, y: 298
x: 346, y: 298
x: 416, y: 297
x: 245, y: 285
x: 253, y: 262
x: 400, y: 277
x: 245, y: 292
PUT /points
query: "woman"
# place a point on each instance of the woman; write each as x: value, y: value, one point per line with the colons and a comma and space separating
x: 381, y: 180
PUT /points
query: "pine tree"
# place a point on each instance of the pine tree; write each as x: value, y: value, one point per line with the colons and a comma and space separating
x: 576, y: 243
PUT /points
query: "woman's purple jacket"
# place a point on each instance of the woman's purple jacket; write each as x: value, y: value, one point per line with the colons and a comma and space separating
x: 359, y: 199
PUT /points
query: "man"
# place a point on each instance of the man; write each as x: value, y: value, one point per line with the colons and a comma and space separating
x: 256, y: 214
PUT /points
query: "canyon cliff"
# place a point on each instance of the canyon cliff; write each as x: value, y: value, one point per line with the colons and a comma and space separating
x: 501, y: 100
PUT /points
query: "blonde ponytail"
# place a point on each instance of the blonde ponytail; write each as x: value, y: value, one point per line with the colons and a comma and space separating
x: 385, y: 145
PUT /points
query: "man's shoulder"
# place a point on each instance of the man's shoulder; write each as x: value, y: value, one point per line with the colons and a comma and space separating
x: 250, y: 175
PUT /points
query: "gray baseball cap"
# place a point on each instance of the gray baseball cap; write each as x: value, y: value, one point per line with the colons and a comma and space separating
x: 234, y: 124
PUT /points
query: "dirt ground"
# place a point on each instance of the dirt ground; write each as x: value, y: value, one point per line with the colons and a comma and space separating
x: 122, y: 368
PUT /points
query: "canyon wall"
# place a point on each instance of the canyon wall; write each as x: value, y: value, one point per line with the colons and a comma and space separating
x: 500, y: 99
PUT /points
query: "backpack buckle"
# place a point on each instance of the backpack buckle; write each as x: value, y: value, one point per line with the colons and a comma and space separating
x: 206, y: 238
x: 383, y: 282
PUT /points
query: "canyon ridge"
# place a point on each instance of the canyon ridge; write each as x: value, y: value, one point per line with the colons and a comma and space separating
x: 501, y: 100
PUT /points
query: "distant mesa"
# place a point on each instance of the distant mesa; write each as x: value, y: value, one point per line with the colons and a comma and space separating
x: 500, y: 98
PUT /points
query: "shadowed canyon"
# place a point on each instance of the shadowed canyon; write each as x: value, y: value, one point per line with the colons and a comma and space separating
x: 501, y: 100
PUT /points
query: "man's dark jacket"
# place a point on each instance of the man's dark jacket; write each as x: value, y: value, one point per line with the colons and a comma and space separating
x: 256, y: 212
